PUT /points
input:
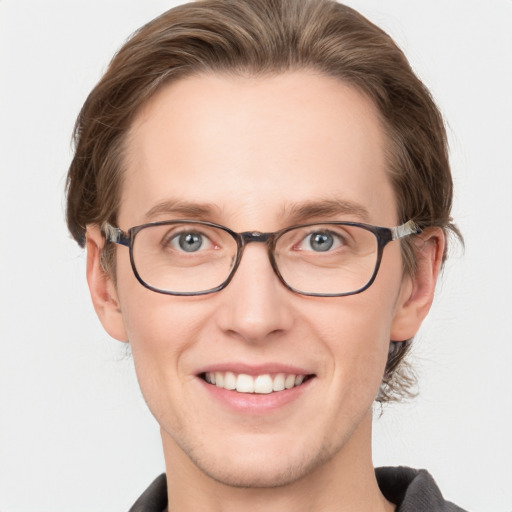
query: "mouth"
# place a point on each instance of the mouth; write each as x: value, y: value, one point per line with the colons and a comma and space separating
x: 263, y: 384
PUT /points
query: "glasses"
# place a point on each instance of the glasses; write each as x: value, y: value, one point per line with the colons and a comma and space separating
x: 188, y: 257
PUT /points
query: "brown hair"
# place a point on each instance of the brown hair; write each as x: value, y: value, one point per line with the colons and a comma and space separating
x: 259, y: 37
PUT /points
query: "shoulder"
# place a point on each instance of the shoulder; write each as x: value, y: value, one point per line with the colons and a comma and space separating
x: 154, y: 498
x: 412, y: 490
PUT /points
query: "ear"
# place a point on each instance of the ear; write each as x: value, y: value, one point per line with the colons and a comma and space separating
x: 417, y: 292
x: 102, y: 288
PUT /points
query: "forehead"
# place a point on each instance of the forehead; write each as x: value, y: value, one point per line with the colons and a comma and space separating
x: 251, y: 149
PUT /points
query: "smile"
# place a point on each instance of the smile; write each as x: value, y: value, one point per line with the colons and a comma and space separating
x: 260, y: 384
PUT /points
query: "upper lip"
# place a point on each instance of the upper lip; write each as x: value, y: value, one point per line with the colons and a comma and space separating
x: 254, y: 370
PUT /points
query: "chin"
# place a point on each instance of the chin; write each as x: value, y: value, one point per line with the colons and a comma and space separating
x: 258, y: 470
x: 254, y: 478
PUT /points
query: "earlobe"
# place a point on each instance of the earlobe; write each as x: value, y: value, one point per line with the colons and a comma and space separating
x: 417, y: 291
x: 101, y: 287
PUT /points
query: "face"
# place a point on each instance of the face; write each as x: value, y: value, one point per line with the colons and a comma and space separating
x: 259, y: 154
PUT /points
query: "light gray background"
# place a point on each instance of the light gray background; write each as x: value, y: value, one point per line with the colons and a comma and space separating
x: 75, y: 433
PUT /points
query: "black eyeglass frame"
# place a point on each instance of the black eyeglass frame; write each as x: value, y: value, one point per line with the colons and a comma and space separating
x: 382, y: 234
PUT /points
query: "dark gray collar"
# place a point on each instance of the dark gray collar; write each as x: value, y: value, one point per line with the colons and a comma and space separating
x: 411, y: 490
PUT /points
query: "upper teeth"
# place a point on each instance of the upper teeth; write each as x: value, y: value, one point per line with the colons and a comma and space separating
x: 262, y: 384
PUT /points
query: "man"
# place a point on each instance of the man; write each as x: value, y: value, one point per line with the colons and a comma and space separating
x: 264, y: 192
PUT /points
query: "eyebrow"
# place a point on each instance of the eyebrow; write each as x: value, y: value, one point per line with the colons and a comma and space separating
x: 184, y: 208
x: 300, y: 212
x: 294, y: 213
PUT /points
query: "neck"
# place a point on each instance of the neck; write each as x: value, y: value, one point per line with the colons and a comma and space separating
x: 346, y: 482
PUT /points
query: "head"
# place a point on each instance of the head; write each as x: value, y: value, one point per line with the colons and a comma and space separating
x: 244, y: 50
x: 252, y: 39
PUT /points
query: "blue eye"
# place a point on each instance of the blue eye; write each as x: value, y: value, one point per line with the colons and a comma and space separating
x: 321, y: 242
x: 189, y: 242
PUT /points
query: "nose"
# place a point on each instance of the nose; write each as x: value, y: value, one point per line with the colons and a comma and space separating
x: 255, y: 306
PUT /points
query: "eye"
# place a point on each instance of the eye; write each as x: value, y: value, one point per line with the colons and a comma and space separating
x: 321, y: 241
x: 189, y: 241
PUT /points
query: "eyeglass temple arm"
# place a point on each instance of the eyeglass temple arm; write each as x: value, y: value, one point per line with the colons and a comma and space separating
x: 115, y: 235
x: 409, y: 228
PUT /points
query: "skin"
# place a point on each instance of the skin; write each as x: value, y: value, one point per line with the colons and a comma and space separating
x: 252, y: 149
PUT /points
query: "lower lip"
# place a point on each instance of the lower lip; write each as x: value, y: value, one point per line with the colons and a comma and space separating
x: 255, y: 403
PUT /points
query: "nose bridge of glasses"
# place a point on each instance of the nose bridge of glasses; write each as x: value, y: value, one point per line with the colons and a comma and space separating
x: 248, y: 237
x: 255, y: 236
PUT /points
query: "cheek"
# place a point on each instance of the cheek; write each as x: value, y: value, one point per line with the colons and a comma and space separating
x: 157, y: 326
x: 357, y: 333
x: 155, y: 323
x: 160, y: 334
x: 361, y: 337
